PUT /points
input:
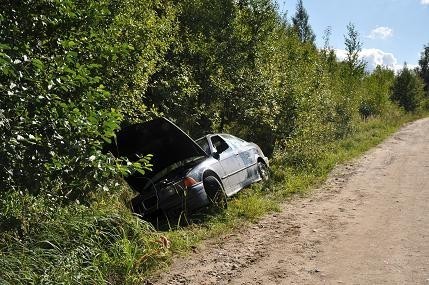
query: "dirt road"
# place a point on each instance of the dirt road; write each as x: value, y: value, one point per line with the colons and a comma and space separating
x: 368, y: 224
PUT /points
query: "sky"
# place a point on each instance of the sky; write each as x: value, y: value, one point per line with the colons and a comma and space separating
x: 392, y: 31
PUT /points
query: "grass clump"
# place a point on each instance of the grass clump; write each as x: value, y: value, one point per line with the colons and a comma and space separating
x: 100, y: 244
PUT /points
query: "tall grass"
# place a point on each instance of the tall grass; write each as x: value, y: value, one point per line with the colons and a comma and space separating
x: 101, y: 244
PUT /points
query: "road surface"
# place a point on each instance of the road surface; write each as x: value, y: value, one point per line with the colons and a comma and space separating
x: 368, y: 224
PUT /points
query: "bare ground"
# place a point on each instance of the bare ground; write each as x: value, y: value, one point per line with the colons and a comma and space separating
x: 368, y: 224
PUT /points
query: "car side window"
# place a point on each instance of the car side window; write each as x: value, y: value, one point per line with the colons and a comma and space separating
x: 219, y: 144
x: 234, y: 142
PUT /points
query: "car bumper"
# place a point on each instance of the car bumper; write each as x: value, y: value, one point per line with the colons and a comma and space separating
x: 171, y: 201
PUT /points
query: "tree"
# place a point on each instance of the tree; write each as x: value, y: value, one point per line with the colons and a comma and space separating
x: 423, y: 68
x: 67, y: 72
x: 356, y: 66
x: 328, y: 53
x: 301, y: 25
x: 326, y: 38
x: 408, y: 90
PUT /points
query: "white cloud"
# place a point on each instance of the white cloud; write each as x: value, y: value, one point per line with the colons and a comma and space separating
x: 381, y: 32
x: 341, y: 54
x: 424, y: 2
x: 374, y: 57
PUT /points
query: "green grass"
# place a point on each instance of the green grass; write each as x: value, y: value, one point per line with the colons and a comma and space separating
x: 105, y: 244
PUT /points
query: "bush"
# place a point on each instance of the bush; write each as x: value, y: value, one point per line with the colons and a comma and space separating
x: 66, y: 70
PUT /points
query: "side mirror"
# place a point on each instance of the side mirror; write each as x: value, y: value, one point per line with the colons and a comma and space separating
x: 216, y: 154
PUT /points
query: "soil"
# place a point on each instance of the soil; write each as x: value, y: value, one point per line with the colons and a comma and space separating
x: 368, y: 224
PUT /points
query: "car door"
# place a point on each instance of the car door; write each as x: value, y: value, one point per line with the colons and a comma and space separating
x: 248, y: 159
x: 230, y: 162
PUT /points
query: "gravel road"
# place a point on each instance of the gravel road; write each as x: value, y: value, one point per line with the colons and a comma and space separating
x: 368, y: 224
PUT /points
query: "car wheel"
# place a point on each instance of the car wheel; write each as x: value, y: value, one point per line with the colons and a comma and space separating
x: 263, y: 171
x: 215, y: 192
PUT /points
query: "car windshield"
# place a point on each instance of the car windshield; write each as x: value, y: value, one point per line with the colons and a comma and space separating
x: 204, y: 144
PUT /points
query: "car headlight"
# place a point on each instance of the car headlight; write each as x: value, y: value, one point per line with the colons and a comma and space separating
x: 188, y: 182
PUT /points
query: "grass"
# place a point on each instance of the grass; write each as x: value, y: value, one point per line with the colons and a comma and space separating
x: 105, y: 244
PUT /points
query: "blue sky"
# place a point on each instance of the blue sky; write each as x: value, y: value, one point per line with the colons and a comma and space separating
x: 392, y: 31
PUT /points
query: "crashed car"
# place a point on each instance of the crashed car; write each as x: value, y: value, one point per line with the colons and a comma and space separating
x: 187, y: 174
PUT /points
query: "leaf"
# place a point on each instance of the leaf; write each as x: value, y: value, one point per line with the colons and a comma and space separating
x: 38, y: 64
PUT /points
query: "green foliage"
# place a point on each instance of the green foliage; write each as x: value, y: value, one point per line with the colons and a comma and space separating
x: 408, y: 90
x: 64, y: 93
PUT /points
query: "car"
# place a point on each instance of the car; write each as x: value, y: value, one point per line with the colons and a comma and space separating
x: 186, y: 174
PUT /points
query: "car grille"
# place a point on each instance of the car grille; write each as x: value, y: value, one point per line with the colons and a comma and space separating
x: 164, y: 192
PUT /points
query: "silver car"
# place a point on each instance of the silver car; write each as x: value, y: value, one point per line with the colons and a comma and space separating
x: 187, y: 174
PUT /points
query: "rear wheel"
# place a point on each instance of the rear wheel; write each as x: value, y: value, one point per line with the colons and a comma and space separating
x: 263, y: 171
x: 215, y: 192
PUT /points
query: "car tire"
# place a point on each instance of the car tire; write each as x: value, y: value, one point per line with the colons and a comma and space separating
x: 215, y: 192
x: 263, y: 171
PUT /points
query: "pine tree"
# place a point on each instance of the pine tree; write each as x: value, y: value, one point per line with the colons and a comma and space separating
x: 301, y: 24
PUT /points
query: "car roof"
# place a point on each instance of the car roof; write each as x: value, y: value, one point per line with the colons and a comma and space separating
x: 208, y: 136
x: 215, y: 134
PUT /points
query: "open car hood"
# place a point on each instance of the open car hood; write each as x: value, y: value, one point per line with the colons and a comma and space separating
x: 160, y: 137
